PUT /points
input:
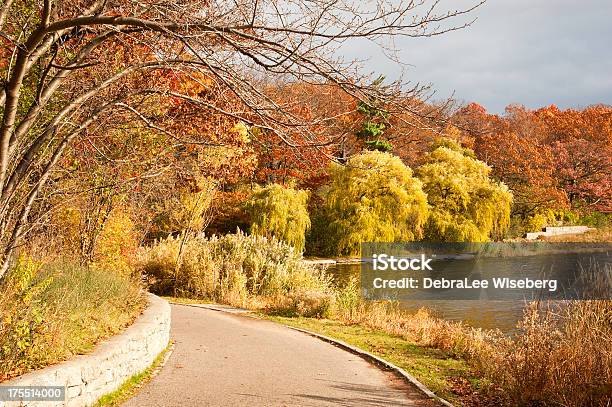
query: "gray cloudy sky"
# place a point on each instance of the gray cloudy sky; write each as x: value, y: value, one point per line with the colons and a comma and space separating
x: 533, y: 52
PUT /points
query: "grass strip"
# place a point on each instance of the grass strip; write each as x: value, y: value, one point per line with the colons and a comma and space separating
x: 130, y: 387
x: 446, y: 376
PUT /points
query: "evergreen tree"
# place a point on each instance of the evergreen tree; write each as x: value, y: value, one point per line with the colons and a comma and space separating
x: 373, y: 128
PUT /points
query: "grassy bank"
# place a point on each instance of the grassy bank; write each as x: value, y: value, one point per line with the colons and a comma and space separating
x: 52, y: 312
x: 561, y: 354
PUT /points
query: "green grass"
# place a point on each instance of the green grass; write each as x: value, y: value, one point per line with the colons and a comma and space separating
x: 129, y: 388
x: 448, y: 377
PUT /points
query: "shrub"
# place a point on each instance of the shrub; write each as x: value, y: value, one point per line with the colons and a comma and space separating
x: 49, y: 313
x: 374, y: 198
x: 117, y: 243
x: 596, y: 219
x: 21, y: 316
x: 66, y: 236
x: 303, y: 303
x: 236, y: 269
x: 536, y: 221
x: 280, y: 212
x: 466, y: 205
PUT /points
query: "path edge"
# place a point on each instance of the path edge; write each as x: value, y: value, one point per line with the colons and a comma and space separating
x: 376, y: 360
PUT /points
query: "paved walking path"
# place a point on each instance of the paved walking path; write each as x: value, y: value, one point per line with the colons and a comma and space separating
x: 222, y: 359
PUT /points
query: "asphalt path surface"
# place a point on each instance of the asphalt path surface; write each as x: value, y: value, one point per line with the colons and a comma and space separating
x: 222, y: 359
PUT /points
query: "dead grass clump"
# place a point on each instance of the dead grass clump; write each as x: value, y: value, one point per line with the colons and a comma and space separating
x: 563, y: 356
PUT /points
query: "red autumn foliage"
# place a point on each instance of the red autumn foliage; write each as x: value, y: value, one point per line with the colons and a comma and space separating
x: 549, y: 157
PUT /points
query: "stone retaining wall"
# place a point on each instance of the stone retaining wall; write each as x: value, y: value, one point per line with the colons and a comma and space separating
x: 557, y: 230
x: 89, y: 377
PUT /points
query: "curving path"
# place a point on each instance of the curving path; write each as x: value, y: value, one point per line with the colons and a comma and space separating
x: 222, y: 359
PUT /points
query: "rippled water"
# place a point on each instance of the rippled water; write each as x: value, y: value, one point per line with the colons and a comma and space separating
x: 503, y: 315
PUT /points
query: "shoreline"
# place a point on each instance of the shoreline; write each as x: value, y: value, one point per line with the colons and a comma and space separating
x: 508, y: 252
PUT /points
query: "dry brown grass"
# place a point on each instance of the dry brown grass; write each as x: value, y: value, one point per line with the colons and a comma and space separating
x: 254, y: 272
x: 562, y: 355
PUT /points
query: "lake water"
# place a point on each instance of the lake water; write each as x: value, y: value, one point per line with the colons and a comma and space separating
x: 490, y: 313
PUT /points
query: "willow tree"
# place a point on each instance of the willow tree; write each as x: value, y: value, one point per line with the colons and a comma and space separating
x: 72, y: 66
x: 466, y: 205
x: 374, y: 198
x: 280, y: 212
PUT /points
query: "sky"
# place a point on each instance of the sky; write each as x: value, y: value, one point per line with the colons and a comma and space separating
x: 532, y: 52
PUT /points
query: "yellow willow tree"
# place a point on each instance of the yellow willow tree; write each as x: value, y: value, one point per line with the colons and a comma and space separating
x: 374, y: 198
x: 280, y: 212
x: 466, y: 205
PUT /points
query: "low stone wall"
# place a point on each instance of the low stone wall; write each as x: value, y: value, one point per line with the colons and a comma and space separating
x: 557, y: 230
x: 89, y: 377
